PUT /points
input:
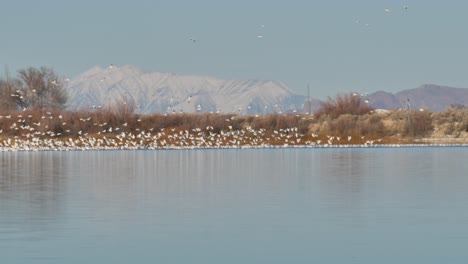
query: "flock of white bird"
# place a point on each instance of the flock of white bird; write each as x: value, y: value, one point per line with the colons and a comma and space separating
x: 25, y: 135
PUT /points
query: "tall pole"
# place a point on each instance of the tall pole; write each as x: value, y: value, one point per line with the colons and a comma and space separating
x: 308, y: 99
x: 408, y: 116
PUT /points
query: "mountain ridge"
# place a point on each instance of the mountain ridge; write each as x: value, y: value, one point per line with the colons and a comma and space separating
x: 163, y: 92
x: 168, y: 92
x: 427, y: 96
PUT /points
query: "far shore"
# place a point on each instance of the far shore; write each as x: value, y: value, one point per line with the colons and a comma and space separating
x: 33, y: 130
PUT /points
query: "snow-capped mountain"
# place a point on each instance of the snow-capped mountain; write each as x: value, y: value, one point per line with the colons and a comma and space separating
x: 159, y: 92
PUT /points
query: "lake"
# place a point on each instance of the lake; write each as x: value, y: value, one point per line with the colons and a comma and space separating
x: 370, y: 205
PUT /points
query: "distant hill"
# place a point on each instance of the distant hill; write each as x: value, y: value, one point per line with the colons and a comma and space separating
x: 433, y: 97
x: 156, y: 92
x: 168, y: 92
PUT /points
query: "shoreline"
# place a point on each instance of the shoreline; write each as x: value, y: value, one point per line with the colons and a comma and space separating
x: 100, y: 130
x: 64, y: 148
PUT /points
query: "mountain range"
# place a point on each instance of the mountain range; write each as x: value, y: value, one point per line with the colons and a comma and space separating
x: 152, y: 92
x: 169, y: 92
x: 428, y: 96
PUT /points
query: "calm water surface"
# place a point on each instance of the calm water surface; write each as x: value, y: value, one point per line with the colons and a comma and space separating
x: 405, y: 205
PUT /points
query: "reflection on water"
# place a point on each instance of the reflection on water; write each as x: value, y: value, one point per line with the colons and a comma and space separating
x: 235, y: 206
x: 32, y: 190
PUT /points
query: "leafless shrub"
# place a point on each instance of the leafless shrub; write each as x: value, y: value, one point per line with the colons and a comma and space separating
x: 372, y: 125
x: 354, y: 125
x: 449, y: 129
x: 343, y: 104
x: 343, y: 125
x: 454, y: 119
x: 418, y: 124
x: 123, y: 110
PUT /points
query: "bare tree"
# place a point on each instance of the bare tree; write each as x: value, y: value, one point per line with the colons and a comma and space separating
x: 9, y: 95
x: 41, y: 88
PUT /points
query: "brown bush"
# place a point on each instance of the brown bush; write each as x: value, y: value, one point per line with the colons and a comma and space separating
x: 372, y: 125
x: 343, y: 104
x: 418, y: 124
x: 343, y: 125
x: 354, y: 125
x: 454, y: 118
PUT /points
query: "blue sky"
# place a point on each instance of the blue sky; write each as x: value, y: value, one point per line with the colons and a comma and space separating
x: 316, y: 42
